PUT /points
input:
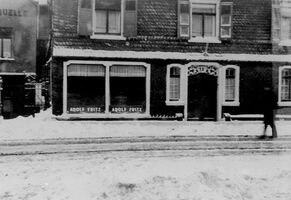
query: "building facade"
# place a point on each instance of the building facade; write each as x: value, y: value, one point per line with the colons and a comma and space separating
x: 193, y: 59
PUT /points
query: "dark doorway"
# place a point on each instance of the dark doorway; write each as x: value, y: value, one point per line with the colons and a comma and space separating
x: 202, y: 97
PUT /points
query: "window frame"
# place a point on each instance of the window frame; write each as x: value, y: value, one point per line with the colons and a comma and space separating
x: 235, y: 102
x: 280, y: 102
x: 180, y: 101
x: 230, y: 20
x: 109, y: 36
x: 107, y: 113
x: 214, y: 39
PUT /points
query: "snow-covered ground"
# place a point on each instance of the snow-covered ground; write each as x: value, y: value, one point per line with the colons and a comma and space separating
x: 127, y: 176
x: 139, y: 175
x: 45, y: 126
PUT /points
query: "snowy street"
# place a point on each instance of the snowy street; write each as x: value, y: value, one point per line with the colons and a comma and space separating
x: 136, y: 175
x: 42, y: 158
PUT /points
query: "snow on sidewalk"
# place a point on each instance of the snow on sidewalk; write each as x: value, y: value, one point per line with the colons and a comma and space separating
x: 44, y: 126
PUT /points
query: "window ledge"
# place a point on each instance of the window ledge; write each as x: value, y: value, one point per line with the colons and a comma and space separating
x: 108, y: 37
x: 231, y: 103
x: 7, y: 59
x: 285, y: 43
x: 175, y: 103
x: 204, y: 40
x: 288, y: 103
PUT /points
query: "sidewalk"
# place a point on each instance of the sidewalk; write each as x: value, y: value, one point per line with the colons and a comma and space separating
x: 44, y: 126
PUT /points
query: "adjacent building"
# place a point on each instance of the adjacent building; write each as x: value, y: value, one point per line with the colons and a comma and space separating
x: 19, y: 29
x: 195, y: 59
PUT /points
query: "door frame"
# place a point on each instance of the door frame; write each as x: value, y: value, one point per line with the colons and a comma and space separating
x: 219, y: 71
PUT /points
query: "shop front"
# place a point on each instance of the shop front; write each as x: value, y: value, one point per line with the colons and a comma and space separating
x: 202, y: 88
x: 102, y: 89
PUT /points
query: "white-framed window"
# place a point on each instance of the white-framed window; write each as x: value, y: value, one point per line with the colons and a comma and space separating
x: 106, y: 89
x: 204, y: 20
x: 285, y: 86
x: 107, y: 17
x: 231, y: 85
x: 174, y: 85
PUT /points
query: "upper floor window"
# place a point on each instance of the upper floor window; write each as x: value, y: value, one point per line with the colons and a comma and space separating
x: 201, y: 21
x: 285, y: 85
x: 281, y: 22
x: 231, y: 85
x: 5, y: 42
x: 107, y: 19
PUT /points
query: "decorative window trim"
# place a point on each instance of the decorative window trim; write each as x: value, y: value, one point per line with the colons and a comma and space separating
x: 108, y: 36
x: 214, y: 39
x: 280, y: 102
x: 237, y: 82
x: 170, y: 102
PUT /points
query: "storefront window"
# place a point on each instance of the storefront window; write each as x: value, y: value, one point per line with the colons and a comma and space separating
x: 86, y: 89
x: 127, y: 89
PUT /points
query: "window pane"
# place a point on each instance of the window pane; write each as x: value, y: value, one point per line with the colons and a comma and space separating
x: 83, y: 95
x: 230, y: 85
x: 286, y: 28
x: 226, y: 9
x: 130, y: 5
x: 184, y: 18
x: 209, y: 26
x: 114, y: 22
x: 108, y: 4
x: 225, y: 19
x: 204, y: 8
x: 127, y: 89
x: 286, y: 85
x: 196, y: 25
x: 86, y: 70
x: 175, y: 80
x: 184, y: 8
x: 101, y: 18
x: 184, y: 30
x: 225, y: 31
x: 7, y: 48
x: 86, y: 4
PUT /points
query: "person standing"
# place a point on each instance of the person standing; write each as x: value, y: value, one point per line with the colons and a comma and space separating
x: 269, y: 108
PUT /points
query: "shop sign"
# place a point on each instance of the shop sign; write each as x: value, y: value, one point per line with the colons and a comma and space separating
x: 127, y: 109
x: 13, y: 12
x: 76, y: 110
x: 202, y: 69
